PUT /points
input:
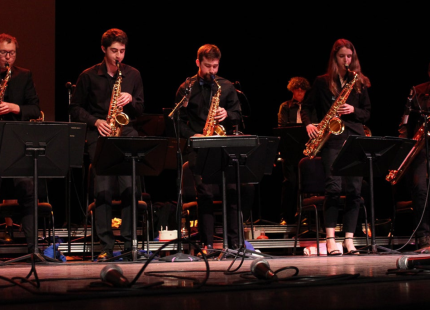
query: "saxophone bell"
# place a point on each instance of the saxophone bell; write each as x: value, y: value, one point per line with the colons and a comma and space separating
x: 336, y: 126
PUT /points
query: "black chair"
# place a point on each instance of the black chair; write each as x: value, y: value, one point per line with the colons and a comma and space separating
x: 9, y: 207
x: 311, y: 183
x: 142, y: 210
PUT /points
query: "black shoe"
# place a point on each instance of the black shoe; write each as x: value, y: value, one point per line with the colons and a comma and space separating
x: 105, y: 255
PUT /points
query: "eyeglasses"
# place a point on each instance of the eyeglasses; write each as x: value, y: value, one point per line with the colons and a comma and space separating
x: 11, y: 53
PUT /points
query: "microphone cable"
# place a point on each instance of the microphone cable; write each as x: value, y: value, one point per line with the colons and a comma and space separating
x: 156, y: 253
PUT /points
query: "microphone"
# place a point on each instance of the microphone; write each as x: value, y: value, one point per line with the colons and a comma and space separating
x: 405, y: 262
x: 260, y: 268
x: 70, y: 86
x: 113, y: 275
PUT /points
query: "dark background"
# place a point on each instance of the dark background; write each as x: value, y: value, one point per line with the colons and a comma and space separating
x: 263, y: 45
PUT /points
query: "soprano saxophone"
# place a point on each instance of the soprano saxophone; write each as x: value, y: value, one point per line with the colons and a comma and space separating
x: 212, y: 127
x: 394, y: 176
x: 331, y: 123
x: 116, y: 117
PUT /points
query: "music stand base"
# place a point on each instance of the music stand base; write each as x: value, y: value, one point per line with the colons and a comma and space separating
x: 180, y: 257
x: 134, y: 255
x: 373, y: 249
x: 240, y: 253
x: 32, y: 256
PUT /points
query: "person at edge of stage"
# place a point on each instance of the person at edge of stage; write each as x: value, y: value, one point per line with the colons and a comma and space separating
x: 90, y: 104
x: 289, y: 113
x: 416, y: 113
x: 20, y: 102
x: 354, y: 112
x: 192, y: 121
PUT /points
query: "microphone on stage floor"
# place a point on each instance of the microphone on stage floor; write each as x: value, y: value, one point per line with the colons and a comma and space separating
x: 113, y: 275
x: 406, y: 262
x: 260, y: 268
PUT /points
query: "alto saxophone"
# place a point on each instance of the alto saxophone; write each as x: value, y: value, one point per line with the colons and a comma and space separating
x: 116, y: 118
x: 331, y: 123
x: 212, y: 127
x: 394, y: 176
x: 4, y: 82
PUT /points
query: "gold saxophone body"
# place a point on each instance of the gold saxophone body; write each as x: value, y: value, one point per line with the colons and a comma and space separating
x: 4, y: 82
x: 116, y: 117
x: 331, y: 123
x: 212, y: 127
x: 394, y: 176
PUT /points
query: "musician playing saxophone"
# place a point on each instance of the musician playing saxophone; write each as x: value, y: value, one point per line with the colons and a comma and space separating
x: 204, y: 93
x: 417, y: 111
x: 90, y: 104
x: 343, y: 64
x: 19, y: 101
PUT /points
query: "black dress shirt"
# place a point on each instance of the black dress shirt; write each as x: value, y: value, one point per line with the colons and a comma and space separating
x: 193, y: 116
x: 91, y: 98
x: 21, y: 90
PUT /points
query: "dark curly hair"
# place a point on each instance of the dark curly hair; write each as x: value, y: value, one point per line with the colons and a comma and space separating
x: 298, y: 82
x: 114, y: 35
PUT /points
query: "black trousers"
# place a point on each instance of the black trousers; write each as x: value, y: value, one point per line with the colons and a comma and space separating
x: 205, y: 197
x: 104, y: 189
x: 333, y: 188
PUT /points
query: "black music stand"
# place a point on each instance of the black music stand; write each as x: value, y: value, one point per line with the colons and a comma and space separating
x: 371, y: 156
x: 293, y: 140
x: 34, y: 150
x: 220, y: 163
x: 130, y: 156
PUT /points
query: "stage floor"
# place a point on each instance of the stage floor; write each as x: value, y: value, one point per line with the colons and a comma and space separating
x: 365, y: 281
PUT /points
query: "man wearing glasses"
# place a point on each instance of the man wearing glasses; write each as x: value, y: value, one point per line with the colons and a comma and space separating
x: 18, y: 102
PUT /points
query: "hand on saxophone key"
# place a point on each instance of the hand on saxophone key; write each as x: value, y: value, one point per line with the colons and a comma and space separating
x: 7, y: 107
x: 345, y: 109
x: 221, y: 114
x: 312, y: 131
x: 124, y: 99
x: 103, y: 127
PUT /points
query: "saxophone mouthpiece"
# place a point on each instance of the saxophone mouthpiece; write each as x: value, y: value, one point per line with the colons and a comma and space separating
x: 212, y: 77
x: 6, y: 65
